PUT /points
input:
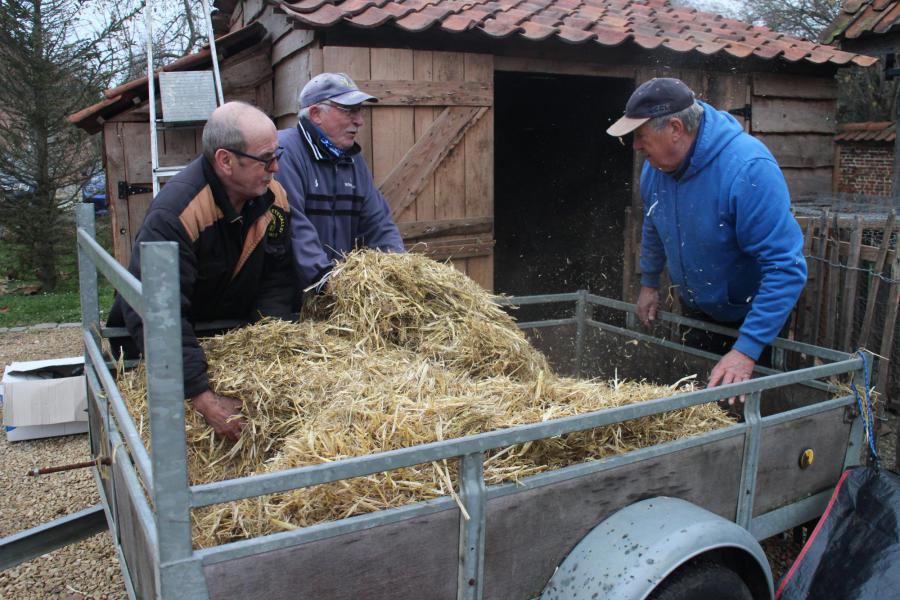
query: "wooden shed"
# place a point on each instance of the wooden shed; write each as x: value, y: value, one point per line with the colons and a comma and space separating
x: 489, y: 138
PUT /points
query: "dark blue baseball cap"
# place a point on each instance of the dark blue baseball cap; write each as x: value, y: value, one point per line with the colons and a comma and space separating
x: 337, y: 87
x: 655, y: 98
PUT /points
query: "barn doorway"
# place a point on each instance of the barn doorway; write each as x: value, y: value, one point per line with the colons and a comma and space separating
x: 561, y: 183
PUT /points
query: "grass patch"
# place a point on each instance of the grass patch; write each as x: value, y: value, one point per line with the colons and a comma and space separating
x: 19, y: 305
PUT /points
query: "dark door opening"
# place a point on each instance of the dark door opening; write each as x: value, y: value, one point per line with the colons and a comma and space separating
x: 561, y: 183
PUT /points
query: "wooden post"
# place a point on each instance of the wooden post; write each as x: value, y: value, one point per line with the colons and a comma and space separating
x: 895, y: 188
x: 822, y: 250
x: 890, y: 322
x: 834, y: 286
x: 850, y: 281
x: 878, y: 267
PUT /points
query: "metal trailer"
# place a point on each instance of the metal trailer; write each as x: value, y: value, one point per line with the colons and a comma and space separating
x: 610, y: 528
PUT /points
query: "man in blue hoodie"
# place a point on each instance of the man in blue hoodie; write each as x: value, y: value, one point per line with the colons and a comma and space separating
x: 717, y: 214
x: 335, y: 204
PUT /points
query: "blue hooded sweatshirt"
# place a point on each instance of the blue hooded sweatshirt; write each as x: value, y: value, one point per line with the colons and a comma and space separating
x: 725, y: 230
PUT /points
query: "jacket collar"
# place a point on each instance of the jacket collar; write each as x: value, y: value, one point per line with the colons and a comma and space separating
x: 313, y: 138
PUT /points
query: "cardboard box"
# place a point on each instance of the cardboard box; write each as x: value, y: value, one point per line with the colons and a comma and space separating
x: 44, y: 398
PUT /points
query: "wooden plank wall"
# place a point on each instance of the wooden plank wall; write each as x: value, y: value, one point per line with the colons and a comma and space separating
x: 844, y: 306
x: 458, y: 194
x: 796, y: 117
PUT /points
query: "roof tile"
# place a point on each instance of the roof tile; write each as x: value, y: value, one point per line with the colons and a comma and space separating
x: 768, y: 50
x: 739, y: 50
x: 417, y: 21
x: 536, y: 31
x: 578, y: 22
x: 357, y: 6
x: 609, y: 36
x: 305, y: 6
x: 515, y: 15
x: 573, y: 35
x: 499, y: 28
x: 796, y: 52
x: 649, y: 23
x: 371, y: 17
x: 328, y: 14
x: 679, y: 45
x: 648, y: 42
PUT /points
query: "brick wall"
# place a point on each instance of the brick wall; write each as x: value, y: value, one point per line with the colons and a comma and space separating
x: 865, y: 168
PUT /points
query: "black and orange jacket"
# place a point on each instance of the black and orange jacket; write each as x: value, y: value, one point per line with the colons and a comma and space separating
x: 232, y: 266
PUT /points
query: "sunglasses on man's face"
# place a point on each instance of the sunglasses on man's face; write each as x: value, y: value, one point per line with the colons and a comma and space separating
x: 267, y: 162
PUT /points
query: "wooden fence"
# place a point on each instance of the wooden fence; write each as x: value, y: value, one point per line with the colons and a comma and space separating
x: 851, y: 298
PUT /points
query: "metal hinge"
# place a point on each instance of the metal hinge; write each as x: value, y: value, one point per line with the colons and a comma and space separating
x: 126, y: 190
x: 745, y: 111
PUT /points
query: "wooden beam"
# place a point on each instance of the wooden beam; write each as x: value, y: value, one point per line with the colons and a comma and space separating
x: 784, y: 115
x: 454, y: 249
x: 418, y: 230
x: 794, y: 86
x: 429, y: 93
x: 405, y: 181
x: 561, y: 67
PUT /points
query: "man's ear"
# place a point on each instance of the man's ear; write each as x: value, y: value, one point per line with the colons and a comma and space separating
x: 678, y: 130
x: 224, y: 161
x: 315, y: 114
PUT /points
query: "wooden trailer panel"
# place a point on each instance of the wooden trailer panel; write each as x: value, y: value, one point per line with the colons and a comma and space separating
x: 530, y: 532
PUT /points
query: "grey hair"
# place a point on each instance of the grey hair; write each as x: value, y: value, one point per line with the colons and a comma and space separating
x: 304, y: 112
x: 223, y: 130
x: 690, y: 116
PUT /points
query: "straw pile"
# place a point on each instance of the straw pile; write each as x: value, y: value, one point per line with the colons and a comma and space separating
x: 403, y: 351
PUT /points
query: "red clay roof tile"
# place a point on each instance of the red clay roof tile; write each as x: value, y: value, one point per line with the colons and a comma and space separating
x: 609, y: 36
x: 499, y: 28
x: 305, y: 6
x: 862, y: 17
x: 371, y: 17
x: 573, y: 35
x: 536, y: 31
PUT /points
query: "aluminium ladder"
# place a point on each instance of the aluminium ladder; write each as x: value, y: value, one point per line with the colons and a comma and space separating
x: 170, y: 102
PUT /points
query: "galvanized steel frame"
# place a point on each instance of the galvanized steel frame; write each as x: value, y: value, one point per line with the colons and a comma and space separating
x: 165, y: 475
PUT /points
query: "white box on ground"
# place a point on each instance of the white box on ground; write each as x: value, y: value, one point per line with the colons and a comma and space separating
x: 39, y: 404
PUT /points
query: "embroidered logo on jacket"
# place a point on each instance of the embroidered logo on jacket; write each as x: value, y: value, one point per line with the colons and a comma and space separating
x: 277, y: 225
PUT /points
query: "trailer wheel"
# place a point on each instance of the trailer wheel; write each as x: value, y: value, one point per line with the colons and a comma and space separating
x: 702, y: 581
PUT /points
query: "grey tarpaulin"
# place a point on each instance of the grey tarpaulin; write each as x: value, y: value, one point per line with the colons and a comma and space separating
x: 854, y: 552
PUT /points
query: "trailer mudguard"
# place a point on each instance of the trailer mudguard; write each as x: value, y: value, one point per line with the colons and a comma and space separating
x: 626, y: 556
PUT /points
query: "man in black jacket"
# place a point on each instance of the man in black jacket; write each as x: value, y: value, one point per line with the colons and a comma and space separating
x: 231, y: 221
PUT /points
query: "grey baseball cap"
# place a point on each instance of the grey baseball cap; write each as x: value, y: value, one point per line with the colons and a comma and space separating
x: 337, y: 87
x: 655, y: 98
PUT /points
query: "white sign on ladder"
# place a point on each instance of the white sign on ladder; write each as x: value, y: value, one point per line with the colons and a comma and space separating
x: 187, y: 96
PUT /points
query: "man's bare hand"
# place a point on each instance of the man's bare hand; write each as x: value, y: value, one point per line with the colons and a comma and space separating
x: 647, y: 304
x: 734, y: 367
x: 217, y: 411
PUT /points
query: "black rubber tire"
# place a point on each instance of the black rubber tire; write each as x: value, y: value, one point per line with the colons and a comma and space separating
x: 702, y: 581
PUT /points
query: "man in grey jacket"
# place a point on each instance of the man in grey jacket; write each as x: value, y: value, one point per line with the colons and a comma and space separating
x: 335, y: 204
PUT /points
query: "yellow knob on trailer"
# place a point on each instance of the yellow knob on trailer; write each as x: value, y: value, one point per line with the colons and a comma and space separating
x: 806, y: 458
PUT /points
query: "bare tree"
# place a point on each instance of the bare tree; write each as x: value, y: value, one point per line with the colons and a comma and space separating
x: 51, y: 65
x: 863, y: 93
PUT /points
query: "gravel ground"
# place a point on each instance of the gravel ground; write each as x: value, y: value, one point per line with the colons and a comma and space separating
x: 90, y: 569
